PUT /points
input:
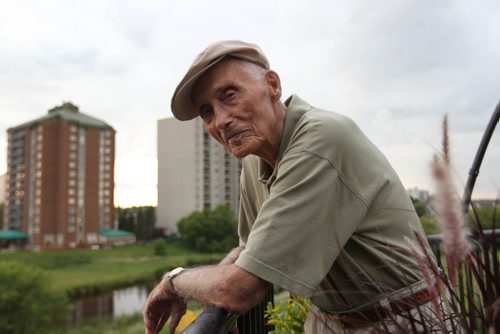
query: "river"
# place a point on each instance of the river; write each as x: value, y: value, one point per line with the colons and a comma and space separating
x: 113, y: 304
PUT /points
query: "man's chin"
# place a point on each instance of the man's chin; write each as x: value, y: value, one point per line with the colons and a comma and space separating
x: 239, y: 153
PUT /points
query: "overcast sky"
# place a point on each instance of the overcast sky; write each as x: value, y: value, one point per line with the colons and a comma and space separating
x: 395, y: 67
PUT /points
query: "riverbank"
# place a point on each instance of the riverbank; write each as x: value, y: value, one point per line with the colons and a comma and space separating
x: 85, y: 272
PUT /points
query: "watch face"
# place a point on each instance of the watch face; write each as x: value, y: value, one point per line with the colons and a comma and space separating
x: 175, y: 272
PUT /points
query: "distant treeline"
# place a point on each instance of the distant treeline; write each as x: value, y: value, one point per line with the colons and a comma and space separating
x: 139, y: 220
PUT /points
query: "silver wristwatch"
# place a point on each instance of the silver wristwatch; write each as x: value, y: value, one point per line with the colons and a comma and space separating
x: 171, y: 275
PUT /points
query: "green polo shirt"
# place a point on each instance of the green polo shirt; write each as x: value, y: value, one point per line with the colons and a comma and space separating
x: 330, y: 221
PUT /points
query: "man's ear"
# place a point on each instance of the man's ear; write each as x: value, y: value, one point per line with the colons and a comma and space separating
x: 274, y: 85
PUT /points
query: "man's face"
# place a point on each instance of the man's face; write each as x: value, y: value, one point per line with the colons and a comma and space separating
x: 238, y: 102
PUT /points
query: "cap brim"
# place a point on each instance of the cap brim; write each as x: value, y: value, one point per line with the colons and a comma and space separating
x: 182, y: 105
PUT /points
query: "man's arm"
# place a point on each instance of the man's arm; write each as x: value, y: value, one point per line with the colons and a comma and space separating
x: 224, y: 285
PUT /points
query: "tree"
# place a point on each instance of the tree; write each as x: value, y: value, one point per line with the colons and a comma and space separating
x: 139, y: 220
x: 125, y: 219
x: 1, y: 216
x: 430, y: 224
x: 488, y: 217
x: 210, y: 230
x: 420, y: 207
x: 27, y: 303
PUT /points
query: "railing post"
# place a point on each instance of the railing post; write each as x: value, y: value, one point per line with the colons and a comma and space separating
x: 215, y: 320
x: 254, y: 321
x: 474, y: 171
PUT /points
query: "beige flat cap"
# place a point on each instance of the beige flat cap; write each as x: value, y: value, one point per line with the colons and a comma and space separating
x: 182, y: 104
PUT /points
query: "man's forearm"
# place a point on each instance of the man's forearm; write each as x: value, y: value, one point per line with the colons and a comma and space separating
x: 224, y: 285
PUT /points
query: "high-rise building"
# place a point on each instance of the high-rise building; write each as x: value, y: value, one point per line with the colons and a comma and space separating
x: 2, y: 188
x: 60, y: 178
x: 420, y: 194
x: 195, y: 172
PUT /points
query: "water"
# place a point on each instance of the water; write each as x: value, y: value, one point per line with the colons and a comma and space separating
x: 113, y: 304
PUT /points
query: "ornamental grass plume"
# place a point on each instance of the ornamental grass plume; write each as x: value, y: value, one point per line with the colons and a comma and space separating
x: 429, y: 270
x: 450, y: 211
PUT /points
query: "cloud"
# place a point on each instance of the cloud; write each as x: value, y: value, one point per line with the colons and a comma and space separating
x: 395, y: 67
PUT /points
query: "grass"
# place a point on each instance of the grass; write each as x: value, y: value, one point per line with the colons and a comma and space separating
x: 123, y: 325
x: 81, y: 273
x: 85, y: 272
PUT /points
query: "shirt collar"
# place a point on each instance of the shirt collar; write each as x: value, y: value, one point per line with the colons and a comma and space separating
x: 295, y: 109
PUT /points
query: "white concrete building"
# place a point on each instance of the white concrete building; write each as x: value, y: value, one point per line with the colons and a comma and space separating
x: 194, y: 172
x: 420, y: 194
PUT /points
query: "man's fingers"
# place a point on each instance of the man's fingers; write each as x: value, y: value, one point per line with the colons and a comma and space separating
x: 161, y: 323
x: 154, y: 321
x: 178, y: 310
x: 174, y: 321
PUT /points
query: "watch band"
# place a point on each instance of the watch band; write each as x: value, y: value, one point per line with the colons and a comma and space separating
x: 171, y: 275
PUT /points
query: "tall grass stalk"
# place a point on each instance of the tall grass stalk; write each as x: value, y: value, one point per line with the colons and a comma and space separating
x: 450, y: 215
x: 471, y: 275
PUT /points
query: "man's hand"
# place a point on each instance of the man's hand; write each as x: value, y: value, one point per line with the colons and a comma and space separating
x: 163, y: 303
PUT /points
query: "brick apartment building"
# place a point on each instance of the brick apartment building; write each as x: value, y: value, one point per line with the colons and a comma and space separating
x: 60, y: 179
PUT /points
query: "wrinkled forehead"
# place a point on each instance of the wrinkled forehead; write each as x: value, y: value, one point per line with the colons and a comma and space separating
x: 229, y: 70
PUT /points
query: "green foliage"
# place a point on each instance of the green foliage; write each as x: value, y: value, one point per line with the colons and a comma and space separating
x: 108, y: 269
x: 160, y: 247
x: 139, y: 220
x: 129, y: 324
x: 430, y: 224
x: 288, y: 316
x: 487, y: 217
x: 1, y: 215
x: 61, y: 260
x: 210, y: 230
x: 27, y: 304
x: 420, y: 207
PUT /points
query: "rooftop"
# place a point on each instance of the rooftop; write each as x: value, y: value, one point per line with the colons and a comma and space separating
x: 12, y: 235
x: 68, y: 112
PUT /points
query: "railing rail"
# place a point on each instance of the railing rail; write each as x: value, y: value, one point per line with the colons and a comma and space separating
x: 215, y: 320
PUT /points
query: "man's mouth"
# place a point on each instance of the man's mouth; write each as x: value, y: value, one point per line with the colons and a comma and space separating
x: 235, y: 136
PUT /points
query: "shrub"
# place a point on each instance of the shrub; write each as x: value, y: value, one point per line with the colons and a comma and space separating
x: 486, y: 217
x: 27, y: 303
x: 210, y: 230
x: 160, y: 247
x: 288, y: 315
x: 430, y: 225
x: 420, y: 207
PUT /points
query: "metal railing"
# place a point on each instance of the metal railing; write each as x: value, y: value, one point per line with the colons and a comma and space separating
x: 215, y: 320
x: 435, y: 241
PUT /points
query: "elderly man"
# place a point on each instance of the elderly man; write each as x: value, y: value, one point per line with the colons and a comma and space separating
x: 322, y: 213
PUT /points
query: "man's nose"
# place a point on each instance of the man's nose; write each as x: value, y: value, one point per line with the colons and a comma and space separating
x: 223, y: 117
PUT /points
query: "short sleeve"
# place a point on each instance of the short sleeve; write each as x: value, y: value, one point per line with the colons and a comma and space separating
x: 301, y: 228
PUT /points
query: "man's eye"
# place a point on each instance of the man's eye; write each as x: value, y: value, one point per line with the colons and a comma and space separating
x: 206, y: 112
x: 229, y: 95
